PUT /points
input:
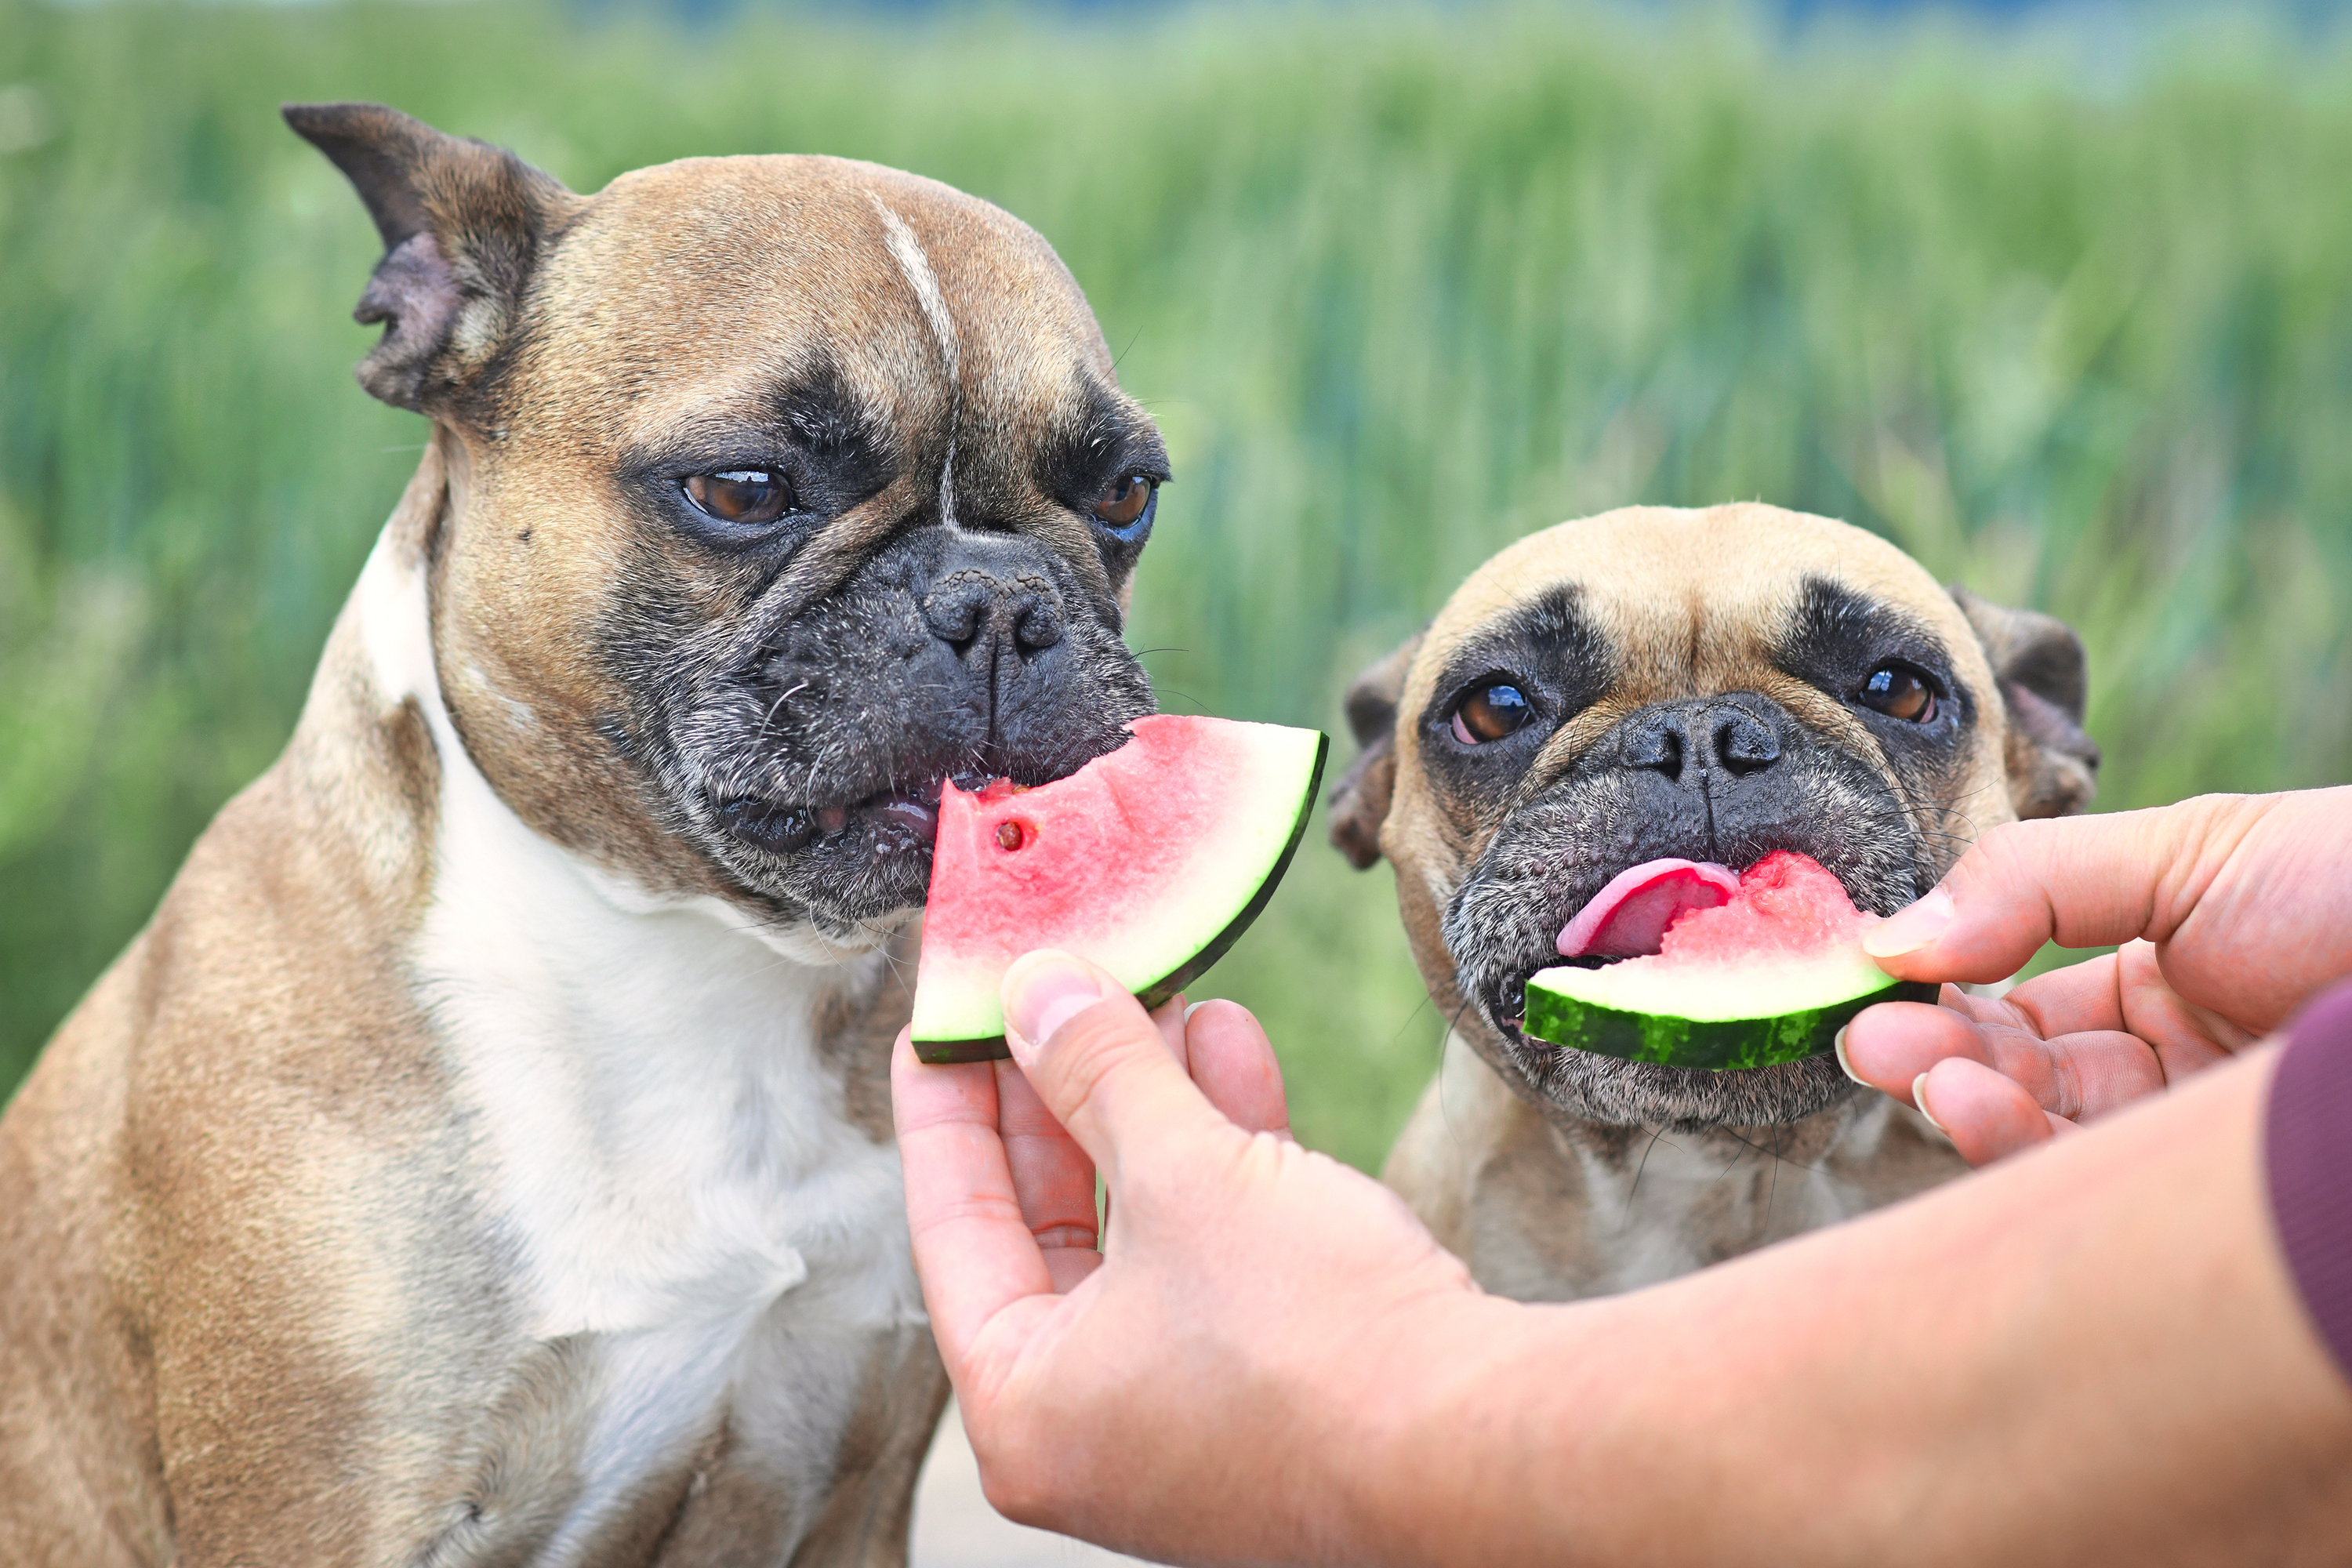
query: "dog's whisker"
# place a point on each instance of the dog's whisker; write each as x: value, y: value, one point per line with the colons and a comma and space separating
x: 1633, y: 1188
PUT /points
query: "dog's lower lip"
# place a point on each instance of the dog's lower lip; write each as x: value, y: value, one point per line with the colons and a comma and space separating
x: 780, y: 828
x: 764, y: 824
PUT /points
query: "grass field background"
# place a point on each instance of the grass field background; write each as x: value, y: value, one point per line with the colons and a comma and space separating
x: 2069, y: 317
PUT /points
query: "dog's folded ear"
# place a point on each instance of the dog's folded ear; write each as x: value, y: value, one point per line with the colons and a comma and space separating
x: 2038, y: 663
x: 1359, y: 803
x: 462, y: 224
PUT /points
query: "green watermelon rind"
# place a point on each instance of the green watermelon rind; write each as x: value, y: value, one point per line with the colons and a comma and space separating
x: 1716, y: 1045
x: 992, y: 1048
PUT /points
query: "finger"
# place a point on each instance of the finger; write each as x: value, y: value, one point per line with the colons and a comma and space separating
x: 1053, y: 1180
x: 2088, y: 1073
x: 974, y: 1248
x: 2125, y: 991
x: 1098, y: 1062
x: 2085, y: 881
x: 2069, y: 1000
x: 1988, y: 1009
x: 2115, y: 1032
x: 2185, y: 1038
x: 2091, y: 1073
x: 1233, y: 1063
x: 1888, y: 1047
x: 1168, y: 1019
x: 1986, y: 1115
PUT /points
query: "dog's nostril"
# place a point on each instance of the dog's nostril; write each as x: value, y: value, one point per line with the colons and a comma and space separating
x: 1745, y: 746
x: 955, y: 613
x: 1660, y: 748
x: 1038, y: 628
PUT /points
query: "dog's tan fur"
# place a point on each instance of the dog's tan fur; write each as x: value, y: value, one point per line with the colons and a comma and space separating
x: 257, y: 1303
x: 1544, y: 1204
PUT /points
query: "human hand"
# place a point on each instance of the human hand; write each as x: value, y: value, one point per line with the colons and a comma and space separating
x: 2230, y: 909
x: 1273, y: 1363
x: 1171, y: 1393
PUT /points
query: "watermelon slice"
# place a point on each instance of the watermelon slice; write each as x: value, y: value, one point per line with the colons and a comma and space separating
x: 1150, y: 860
x: 1739, y: 972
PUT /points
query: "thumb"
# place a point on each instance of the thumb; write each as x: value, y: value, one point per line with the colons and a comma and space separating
x: 2082, y: 881
x: 1097, y: 1060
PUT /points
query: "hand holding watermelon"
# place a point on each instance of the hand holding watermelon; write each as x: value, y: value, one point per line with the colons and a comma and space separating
x: 1272, y: 1360
x: 1151, y: 860
x: 1201, y: 1316
x: 2231, y: 912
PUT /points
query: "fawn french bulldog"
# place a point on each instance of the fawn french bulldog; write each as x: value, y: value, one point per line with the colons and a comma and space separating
x: 484, y: 1156
x: 1711, y: 686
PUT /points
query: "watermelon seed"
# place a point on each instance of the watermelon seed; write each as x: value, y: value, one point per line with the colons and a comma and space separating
x: 1008, y: 835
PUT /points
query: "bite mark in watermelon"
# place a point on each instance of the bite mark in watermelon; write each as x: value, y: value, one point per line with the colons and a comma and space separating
x: 1150, y: 860
x: 1765, y: 971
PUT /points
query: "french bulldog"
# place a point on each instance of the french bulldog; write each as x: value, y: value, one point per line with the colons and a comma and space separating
x: 484, y: 1155
x: 1711, y: 686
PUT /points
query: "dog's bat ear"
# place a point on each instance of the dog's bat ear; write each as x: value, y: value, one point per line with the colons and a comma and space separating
x: 1359, y: 803
x: 462, y: 224
x: 2038, y: 662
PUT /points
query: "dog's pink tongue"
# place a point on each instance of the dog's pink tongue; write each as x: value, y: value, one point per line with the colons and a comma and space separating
x: 1628, y: 919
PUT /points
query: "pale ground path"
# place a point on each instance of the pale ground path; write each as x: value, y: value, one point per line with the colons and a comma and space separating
x: 955, y: 1528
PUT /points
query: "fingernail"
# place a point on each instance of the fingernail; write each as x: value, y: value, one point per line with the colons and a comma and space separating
x: 1919, y: 1100
x: 1846, y: 1064
x: 1042, y: 991
x: 1909, y: 929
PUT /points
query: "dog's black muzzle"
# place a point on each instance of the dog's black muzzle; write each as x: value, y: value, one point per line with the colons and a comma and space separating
x: 952, y: 654
x: 1728, y: 779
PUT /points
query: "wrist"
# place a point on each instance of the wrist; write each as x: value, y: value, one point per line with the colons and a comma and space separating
x: 1440, y: 1434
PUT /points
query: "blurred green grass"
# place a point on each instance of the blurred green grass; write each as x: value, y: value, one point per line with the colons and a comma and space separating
x: 1401, y: 284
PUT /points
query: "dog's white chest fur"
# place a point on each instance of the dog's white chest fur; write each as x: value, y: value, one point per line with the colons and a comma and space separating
x: 666, y: 1152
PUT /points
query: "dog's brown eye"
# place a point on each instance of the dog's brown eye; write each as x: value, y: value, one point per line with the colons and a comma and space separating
x: 740, y: 494
x: 1899, y: 692
x: 1490, y: 713
x: 1130, y: 494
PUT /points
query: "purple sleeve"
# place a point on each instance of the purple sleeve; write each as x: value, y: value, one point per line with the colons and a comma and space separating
x: 2307, y: 1148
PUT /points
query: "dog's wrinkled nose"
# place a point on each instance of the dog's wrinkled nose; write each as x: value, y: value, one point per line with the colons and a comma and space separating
x: 1686, y: 740
x: 982, y: 606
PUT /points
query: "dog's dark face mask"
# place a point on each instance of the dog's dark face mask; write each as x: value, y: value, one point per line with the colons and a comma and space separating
x: 1751, y: 682
x: 808, y: 753
x: 779, y: 490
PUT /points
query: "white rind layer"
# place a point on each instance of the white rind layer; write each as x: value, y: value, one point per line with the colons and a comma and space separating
x: 1769, y: 986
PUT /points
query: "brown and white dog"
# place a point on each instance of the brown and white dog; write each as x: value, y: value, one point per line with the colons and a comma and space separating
x: 1712, y: 686
x: 484, y: 1156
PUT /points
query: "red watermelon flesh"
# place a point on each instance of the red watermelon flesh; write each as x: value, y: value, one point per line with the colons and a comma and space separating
x: 1787, y: 902
x: 1150, y: 860
x: 1698, y: 911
